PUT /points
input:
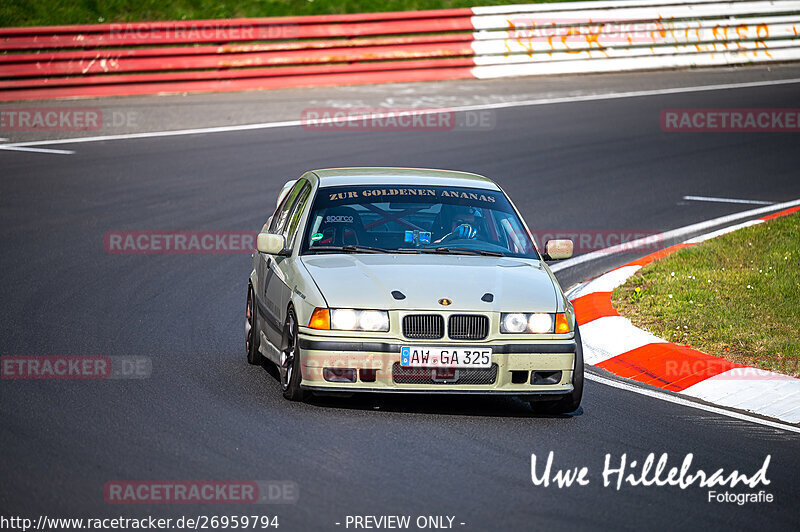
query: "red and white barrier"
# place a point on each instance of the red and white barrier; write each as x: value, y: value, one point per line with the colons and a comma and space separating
x: 481, y: 42
x: 613, y: 343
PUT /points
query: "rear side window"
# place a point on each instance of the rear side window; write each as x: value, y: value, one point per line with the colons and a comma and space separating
x: 281, y: 215
x: 296, y: 215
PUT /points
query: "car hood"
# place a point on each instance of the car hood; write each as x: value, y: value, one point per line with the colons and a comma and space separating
x: 367, y: 281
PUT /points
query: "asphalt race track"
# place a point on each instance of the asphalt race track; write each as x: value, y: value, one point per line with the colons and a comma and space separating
x: 205, y: 414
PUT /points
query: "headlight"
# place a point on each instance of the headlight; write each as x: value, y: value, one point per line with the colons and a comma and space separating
x: 535, y: 323
x: 540, y: 323
x: 513, y: 323
x: 373, y: 320
x: 345, y: 319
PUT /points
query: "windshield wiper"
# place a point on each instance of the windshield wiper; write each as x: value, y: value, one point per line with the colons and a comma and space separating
x: 356, y: 249
x: 462, y: 251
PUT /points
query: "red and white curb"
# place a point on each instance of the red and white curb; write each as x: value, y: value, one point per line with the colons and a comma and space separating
x: 613, y: 343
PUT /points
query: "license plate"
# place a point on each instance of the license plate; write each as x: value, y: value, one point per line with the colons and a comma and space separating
x: 445, y: 357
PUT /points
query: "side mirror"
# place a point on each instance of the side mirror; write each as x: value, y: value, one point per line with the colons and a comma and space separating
x: 558, y: 249
x: 270, y: 243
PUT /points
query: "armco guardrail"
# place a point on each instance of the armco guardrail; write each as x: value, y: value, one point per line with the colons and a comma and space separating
x: 481, y: 42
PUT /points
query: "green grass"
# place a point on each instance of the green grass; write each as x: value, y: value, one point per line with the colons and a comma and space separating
x: 736, y: 296
x: 55, y: 12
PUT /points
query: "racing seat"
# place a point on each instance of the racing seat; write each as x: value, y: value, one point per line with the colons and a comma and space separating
x: 341, y: 226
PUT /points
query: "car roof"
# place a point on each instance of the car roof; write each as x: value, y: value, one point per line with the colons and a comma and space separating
x: 332, y: 177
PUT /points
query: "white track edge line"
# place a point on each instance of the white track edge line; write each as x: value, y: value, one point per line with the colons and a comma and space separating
x: 691, y: 404
x: 10, y: 147
x: 477, y: 107
x: 727, y: 200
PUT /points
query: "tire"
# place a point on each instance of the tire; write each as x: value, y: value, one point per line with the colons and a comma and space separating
x: 290, y: 361
x: 252, y: 339
x: 571, y: 401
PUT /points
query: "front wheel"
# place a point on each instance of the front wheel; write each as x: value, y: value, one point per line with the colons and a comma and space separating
x: 251, y: 337
x: 571, y: 401
x: 290, y: 360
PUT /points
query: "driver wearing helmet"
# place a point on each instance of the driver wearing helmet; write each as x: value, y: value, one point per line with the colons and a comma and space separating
x: 467, y: 223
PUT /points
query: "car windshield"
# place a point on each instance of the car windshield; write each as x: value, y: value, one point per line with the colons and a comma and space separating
x: 415, y: 219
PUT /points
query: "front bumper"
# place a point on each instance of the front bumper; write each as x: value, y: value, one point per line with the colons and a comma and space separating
x: 515, y: 362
